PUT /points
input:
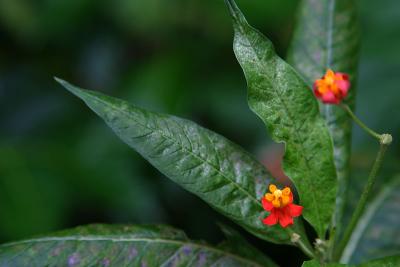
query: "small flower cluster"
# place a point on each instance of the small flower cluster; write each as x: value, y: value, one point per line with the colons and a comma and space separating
x: 280, y: 205
x: 332, y: 88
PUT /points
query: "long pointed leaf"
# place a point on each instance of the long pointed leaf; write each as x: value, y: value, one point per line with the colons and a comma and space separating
x: 203, y: 162
x: 327, y: 36
x: 278, y: 95
x: 115, y: 246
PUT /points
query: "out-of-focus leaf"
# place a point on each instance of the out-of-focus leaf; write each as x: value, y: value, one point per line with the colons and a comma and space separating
x: 279, y: 96
x: 25, y: 196
x: 377, y: 233
x: 103, y: 245
x: 393, y: 261
x: 238, y: 245
x: 203, y: 162
x: 327, y: 36
x: 315, y: 263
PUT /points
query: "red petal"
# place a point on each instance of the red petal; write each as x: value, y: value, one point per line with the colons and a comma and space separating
x: 284, y: 217
x: 343, y: 86
x: 266, y: 204
x: 272, y: 219
x: 330, y: 98
x: 291, y: 198
x: 316, y: 91
x: 295, y: 210
x: 344, y: 76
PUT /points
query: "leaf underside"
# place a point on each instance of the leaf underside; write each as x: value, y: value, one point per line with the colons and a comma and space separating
x: 377, y: 233
x: 105, y: 245
x: 280, y: 97
x: 203, y: 162
x: 327, y: 36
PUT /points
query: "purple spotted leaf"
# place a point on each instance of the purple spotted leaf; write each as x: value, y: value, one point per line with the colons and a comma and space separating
x: 114, y: 246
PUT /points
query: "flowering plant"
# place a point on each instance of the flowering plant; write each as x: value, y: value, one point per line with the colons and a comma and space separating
x: 317, y: 138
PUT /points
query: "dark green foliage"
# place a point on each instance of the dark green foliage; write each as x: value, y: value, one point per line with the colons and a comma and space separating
x: 377, y: 233
x: 279, y: 96
x: 384, y: 262
x: 104, y: 245
x: 327, y: 36
x: 203, y: 162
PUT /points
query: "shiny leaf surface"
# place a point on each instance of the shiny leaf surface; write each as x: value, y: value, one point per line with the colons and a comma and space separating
x: 203, y: 162
x: 104, y: 245
x: 280, y: 97
x: 327, y: 36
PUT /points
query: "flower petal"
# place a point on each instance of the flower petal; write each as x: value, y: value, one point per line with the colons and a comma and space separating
x: 329, y: 98
x: 343, y: 86
x: 295, y: 210
x: 284, y: 217
x: 266, y: 204
x: 272, y: 219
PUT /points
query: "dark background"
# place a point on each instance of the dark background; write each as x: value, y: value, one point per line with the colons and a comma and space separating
x: 60, y: 166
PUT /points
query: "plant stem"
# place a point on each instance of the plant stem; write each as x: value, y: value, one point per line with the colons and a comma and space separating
x: 364, y: 196
x: 304, y: 245
x: 359, y: 122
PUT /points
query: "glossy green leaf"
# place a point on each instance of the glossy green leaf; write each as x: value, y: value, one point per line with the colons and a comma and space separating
x: 377, y: 233
x: 327, y: 36
x: 393, y: 261
x: 104, y: 245
x: 238, y: 245
x: 280, y: 97
x: 203, y: 162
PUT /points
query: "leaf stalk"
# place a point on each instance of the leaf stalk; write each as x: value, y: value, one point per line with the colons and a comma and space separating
x: 304, y: 245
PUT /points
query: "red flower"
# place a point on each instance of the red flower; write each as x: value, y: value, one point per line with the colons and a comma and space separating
x: 332, y: 87
x: 280, y: 204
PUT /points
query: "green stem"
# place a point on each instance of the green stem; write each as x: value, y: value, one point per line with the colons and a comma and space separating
x: 359, y: 122
x: 304, y: 245
x: 364, y: 196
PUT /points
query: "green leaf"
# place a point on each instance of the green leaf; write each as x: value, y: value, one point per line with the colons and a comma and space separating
x: 203, y: 162
x: 377, y: 233
x: 238, y: 245
x: 393, y: 261
x: 279, y: 96
x: 105, y: 245
x: 315, y: 263
x: 327, y: 36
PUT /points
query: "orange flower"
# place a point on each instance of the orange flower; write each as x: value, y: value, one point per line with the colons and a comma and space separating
x: 280, y: 204
x: 332, y: 87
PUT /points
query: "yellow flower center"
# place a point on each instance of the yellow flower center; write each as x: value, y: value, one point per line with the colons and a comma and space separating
x: 278, y: 198
x: 328, y: 83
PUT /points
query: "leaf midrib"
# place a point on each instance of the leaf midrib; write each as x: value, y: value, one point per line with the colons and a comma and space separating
x: 182, y: 147
x: 99, y: 238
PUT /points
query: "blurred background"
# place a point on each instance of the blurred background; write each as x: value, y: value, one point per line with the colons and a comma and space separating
x: 61, y: 166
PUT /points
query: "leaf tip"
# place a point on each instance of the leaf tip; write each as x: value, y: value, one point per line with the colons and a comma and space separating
x: 236, y: 14
x: 73, y: 89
